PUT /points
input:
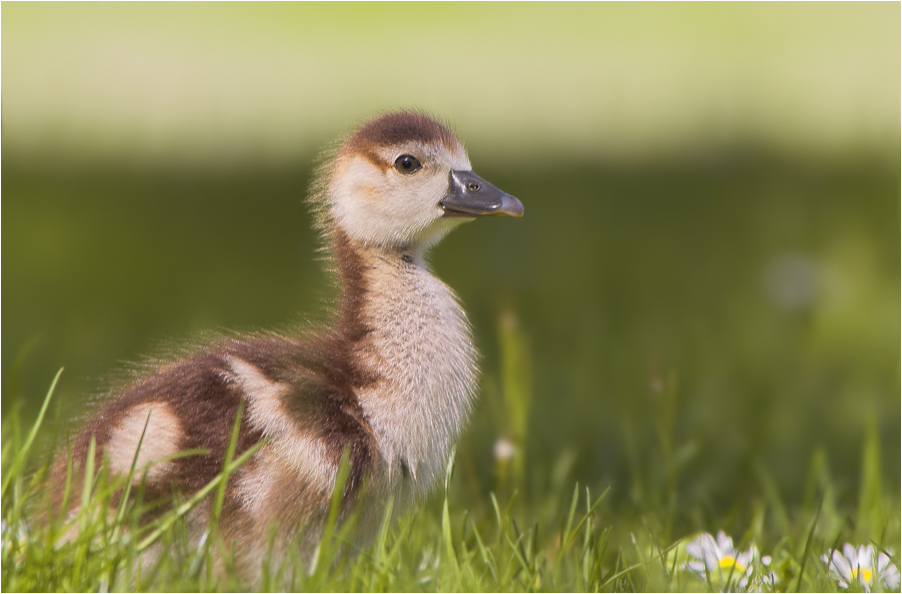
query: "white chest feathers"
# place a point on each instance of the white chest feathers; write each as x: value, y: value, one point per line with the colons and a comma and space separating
x: 422, y: 347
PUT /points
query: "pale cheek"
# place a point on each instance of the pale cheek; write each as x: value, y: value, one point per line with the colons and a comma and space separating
x: 380, y: 208
x: 410, y: 206
x: 357, y: 208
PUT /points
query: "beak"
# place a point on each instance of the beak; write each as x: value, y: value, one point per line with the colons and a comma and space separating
x: 471, y: 196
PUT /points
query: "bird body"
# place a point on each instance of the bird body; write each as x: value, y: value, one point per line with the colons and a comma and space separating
x: 391, y: 381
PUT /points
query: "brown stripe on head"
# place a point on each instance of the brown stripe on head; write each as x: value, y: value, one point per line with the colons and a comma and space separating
x: 398, y: 128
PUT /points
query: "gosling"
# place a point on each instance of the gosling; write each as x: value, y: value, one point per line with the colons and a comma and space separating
x: 391, y: 382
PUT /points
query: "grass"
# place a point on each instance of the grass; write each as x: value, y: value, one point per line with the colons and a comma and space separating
x: 557, y: 536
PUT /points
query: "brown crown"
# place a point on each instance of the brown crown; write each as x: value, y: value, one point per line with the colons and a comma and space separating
x: 398, y: 128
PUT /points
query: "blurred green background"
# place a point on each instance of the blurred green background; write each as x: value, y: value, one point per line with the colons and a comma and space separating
x: 709, y: 258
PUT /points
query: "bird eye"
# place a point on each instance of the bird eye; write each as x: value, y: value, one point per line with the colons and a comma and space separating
x: 407, y: 164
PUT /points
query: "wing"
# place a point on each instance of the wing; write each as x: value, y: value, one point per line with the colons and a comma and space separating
x: 299, y: 396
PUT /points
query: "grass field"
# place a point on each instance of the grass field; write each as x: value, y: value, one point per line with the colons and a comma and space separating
x: 562, y: 537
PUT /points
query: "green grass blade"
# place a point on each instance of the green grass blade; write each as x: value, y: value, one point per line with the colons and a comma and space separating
x: 187, y: 506
x: 22, y: 454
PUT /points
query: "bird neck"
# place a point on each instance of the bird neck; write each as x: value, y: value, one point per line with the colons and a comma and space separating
x: 407, y: 333
x: 353, y: 268
x: 365, y: 272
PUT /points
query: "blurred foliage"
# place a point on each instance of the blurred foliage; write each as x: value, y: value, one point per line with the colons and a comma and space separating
x: 228, y: 84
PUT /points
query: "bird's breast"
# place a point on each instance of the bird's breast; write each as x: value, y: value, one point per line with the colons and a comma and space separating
x: 420, y: 344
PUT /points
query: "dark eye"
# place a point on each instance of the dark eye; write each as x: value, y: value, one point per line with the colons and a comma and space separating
x: 407, y: 164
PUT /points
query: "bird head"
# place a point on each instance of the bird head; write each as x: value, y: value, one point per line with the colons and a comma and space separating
x: 403, y: 181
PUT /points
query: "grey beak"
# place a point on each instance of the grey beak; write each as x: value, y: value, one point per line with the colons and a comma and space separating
x: 471, y: 196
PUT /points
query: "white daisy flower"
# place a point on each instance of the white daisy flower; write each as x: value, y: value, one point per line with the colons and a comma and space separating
x: 862, y: 565
x: 718, y: 557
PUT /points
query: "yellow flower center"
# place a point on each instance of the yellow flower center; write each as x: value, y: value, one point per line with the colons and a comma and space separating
x: 729, y: 562
x: 862, y: 574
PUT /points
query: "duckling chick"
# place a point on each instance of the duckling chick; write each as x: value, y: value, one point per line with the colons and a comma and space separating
x: 392, y: 380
